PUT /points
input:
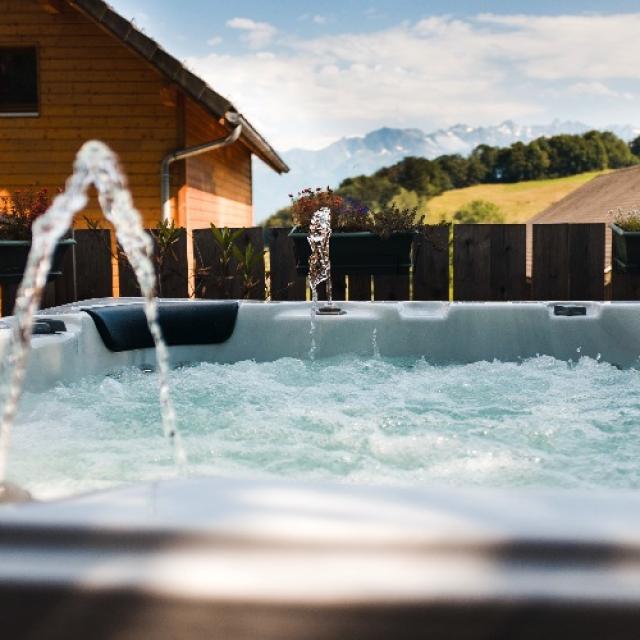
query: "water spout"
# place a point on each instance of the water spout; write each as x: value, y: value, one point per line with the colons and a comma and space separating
x: 320, y: 262
x: 95, y: 165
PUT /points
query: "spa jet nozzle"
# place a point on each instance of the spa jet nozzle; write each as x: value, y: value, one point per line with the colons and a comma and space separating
x: 330, y: 310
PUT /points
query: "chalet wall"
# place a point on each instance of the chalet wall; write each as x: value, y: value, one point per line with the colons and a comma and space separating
x: 218, y: 183
x: 91, y: 86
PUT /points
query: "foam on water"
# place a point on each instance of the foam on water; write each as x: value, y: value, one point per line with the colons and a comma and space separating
x: 540, y: 423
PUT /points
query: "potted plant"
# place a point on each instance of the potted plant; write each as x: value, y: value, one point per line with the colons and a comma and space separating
x: 17, y: 215
x: 626, y: 239
x: 363, y: 241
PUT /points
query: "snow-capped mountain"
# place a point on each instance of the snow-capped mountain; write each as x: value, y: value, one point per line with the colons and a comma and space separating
x: 383, y: 147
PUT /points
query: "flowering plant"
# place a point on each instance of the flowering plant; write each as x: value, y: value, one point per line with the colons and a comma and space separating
x: 347, y: 214
x: 626, y: 220
x: 308, y: 201
x: 19, y: 211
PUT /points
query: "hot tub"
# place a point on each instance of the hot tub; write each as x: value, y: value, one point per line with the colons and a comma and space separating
x: 279, y: 529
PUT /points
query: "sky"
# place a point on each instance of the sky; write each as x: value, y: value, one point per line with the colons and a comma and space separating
x: 307, y: 73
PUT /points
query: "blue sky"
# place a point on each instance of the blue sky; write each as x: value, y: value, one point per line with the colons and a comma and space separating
x: 307, y: 73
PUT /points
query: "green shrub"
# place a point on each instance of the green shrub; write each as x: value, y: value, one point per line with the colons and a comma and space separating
x: 479, y: 211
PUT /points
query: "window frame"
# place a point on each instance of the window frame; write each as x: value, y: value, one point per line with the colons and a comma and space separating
x: 25, y: 114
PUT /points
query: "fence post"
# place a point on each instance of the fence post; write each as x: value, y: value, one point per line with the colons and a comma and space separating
x: 94, y: 269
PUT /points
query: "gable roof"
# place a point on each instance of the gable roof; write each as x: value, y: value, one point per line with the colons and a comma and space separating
x: 593, y: 201
x: 172, y: 69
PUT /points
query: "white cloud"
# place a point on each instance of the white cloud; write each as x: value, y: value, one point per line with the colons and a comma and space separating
x: 435, y: 72
x: 257, y: 34
x: 597, y: 89
x: 215, y: 40
x: 318, y: 19
x: 591, y: 89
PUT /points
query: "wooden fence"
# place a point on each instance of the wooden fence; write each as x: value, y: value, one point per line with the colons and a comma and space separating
x: 466, y: 262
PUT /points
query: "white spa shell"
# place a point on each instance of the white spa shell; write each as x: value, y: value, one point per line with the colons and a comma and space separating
x: 213, y: 557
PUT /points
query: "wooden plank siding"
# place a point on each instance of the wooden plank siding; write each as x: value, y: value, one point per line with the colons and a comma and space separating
x: 218, y: 184
x: 90, y: 87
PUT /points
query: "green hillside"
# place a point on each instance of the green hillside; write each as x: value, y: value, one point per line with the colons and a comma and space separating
x: 519, y: 201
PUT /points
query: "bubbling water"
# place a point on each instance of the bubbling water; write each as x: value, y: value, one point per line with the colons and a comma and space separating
x: 95, y: 165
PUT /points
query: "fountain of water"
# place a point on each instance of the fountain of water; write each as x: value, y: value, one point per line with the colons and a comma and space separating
x: 319, y: 261
x: 95, y: 165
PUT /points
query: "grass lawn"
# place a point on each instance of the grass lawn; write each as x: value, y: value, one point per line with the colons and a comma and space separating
x: 519, y: 201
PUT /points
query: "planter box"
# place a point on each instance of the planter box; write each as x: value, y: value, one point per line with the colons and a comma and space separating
x: 14, y: 254
x: 359, y: 252
x: 626, y: 249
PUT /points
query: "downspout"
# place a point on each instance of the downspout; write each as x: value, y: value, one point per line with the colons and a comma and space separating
x: 190, y: 152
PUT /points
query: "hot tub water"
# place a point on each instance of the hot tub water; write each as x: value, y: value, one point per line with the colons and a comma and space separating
x: 539, y: 423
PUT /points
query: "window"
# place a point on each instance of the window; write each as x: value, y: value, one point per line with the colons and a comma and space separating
x: 18, y: 81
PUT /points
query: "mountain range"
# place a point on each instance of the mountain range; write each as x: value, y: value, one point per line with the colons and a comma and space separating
x: 383, y: 147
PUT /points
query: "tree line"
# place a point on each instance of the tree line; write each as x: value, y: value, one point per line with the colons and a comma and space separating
x: 413, y: 181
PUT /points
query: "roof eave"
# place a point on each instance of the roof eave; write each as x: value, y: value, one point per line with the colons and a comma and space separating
x: 172, y: 69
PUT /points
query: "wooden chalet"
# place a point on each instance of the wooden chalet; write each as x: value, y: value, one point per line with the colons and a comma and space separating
x: 74, y: 70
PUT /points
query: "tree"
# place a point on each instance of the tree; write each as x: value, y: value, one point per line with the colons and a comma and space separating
x: 423, y: 176
x: 281, y: 218
x: 456, y: 167
x: 487, y: 156
x: 598, y: 157
x: 618, y: 152
x: 479, y: 211
x: 634, y: 146
x: 374, y: 191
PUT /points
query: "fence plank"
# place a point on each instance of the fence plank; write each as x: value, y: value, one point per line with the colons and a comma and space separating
x: 471, y: 262
x: 94, y: 269
x: 568, y: 261
x: 9, y: 294
x: 586, y: 261
x: 286, y: 284
x: 127, y: 281
x: 624, y: 285
x: 211, y: 283
x: 339, y: 286
x: 48, y: 299
x: 255, y: 237
x: 64, y: 287
x: 508, y: 262
x: 391, y: 287
x: 550, y: 269
x: 205, y: 257
x: 489, y: 262
x: 359, y: 286
x: 171, y: 269
x: 431, y: 264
